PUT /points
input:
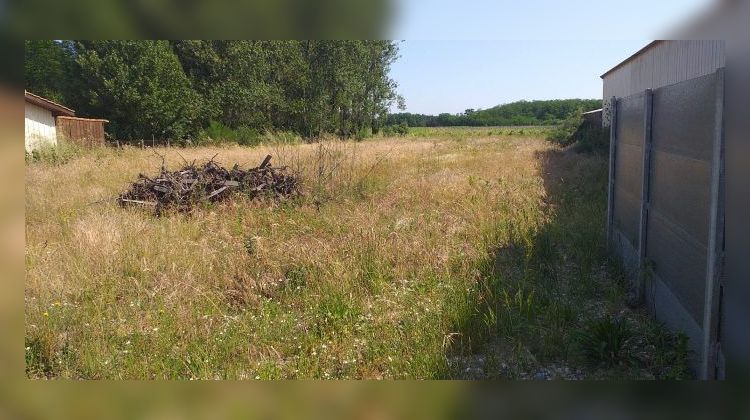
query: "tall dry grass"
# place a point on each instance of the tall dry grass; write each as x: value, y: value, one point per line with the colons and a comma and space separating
x: 377, y: 272
x: 353, y: 281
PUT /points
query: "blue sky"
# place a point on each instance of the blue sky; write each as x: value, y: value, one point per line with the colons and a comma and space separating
x: 450, y: 76
x: 480, y: 53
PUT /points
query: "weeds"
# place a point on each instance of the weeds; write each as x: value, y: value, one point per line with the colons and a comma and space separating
x: 551, y: 305
x: 603, y: 341
x: 59, y: 154
x: 217, y: 133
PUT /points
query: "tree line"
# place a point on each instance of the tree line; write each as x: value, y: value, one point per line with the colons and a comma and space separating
x: 546, y: 112
x: 174, y: 89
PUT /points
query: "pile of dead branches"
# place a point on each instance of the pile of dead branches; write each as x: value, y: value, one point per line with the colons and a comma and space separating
x: 210, y: 182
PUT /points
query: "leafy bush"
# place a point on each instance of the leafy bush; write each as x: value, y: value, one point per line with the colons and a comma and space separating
x: 587, y: 137
x: 246, y: 136
x: 564, y: 134
x: 603, y: 341
x: 400, y: 129
x: 364, y: 133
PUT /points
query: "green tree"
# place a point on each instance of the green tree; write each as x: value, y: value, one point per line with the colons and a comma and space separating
x: 176, y: 88
x: 140, y: 86
x: 547, y: 112
x: 47, y: 67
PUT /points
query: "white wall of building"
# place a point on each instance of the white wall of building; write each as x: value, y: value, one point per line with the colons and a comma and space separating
x: 40, y: 127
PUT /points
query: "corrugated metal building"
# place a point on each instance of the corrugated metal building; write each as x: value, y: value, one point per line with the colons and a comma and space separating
x: 659, y: 64
x: 665, y: 108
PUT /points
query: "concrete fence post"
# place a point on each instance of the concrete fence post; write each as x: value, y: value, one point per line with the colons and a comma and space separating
x: 715, y: 254
x: 612, y: 157
x: 648, y: 115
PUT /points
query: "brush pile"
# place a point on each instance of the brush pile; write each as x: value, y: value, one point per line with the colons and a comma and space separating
x: 210, y: 182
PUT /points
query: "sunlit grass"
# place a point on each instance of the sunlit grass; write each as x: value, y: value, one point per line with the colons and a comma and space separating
x: 383, y: 270
x: 475, y: 132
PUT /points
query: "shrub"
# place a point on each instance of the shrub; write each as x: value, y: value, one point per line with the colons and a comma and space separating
x: 564, y: 134
x: 363, y: 133
x: 246, y: 136
x: 587, y: 137
x: 400, y: 129
x: 216, y: 132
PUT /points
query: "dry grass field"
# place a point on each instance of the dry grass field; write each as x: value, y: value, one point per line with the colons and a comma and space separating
x: 406, y: 258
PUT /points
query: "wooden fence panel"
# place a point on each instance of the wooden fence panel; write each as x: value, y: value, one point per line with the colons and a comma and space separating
x: 82, y: 131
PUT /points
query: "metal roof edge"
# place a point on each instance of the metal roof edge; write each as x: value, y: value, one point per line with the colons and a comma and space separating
x: 47, y: 104
x: 64, y: 117
x: 633, y: 56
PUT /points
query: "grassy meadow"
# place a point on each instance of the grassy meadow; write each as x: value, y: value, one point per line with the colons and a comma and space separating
x: 459, y: 133
x: 471, y: 254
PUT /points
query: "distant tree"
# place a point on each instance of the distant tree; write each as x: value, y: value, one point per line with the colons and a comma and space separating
x: 549, y: 112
